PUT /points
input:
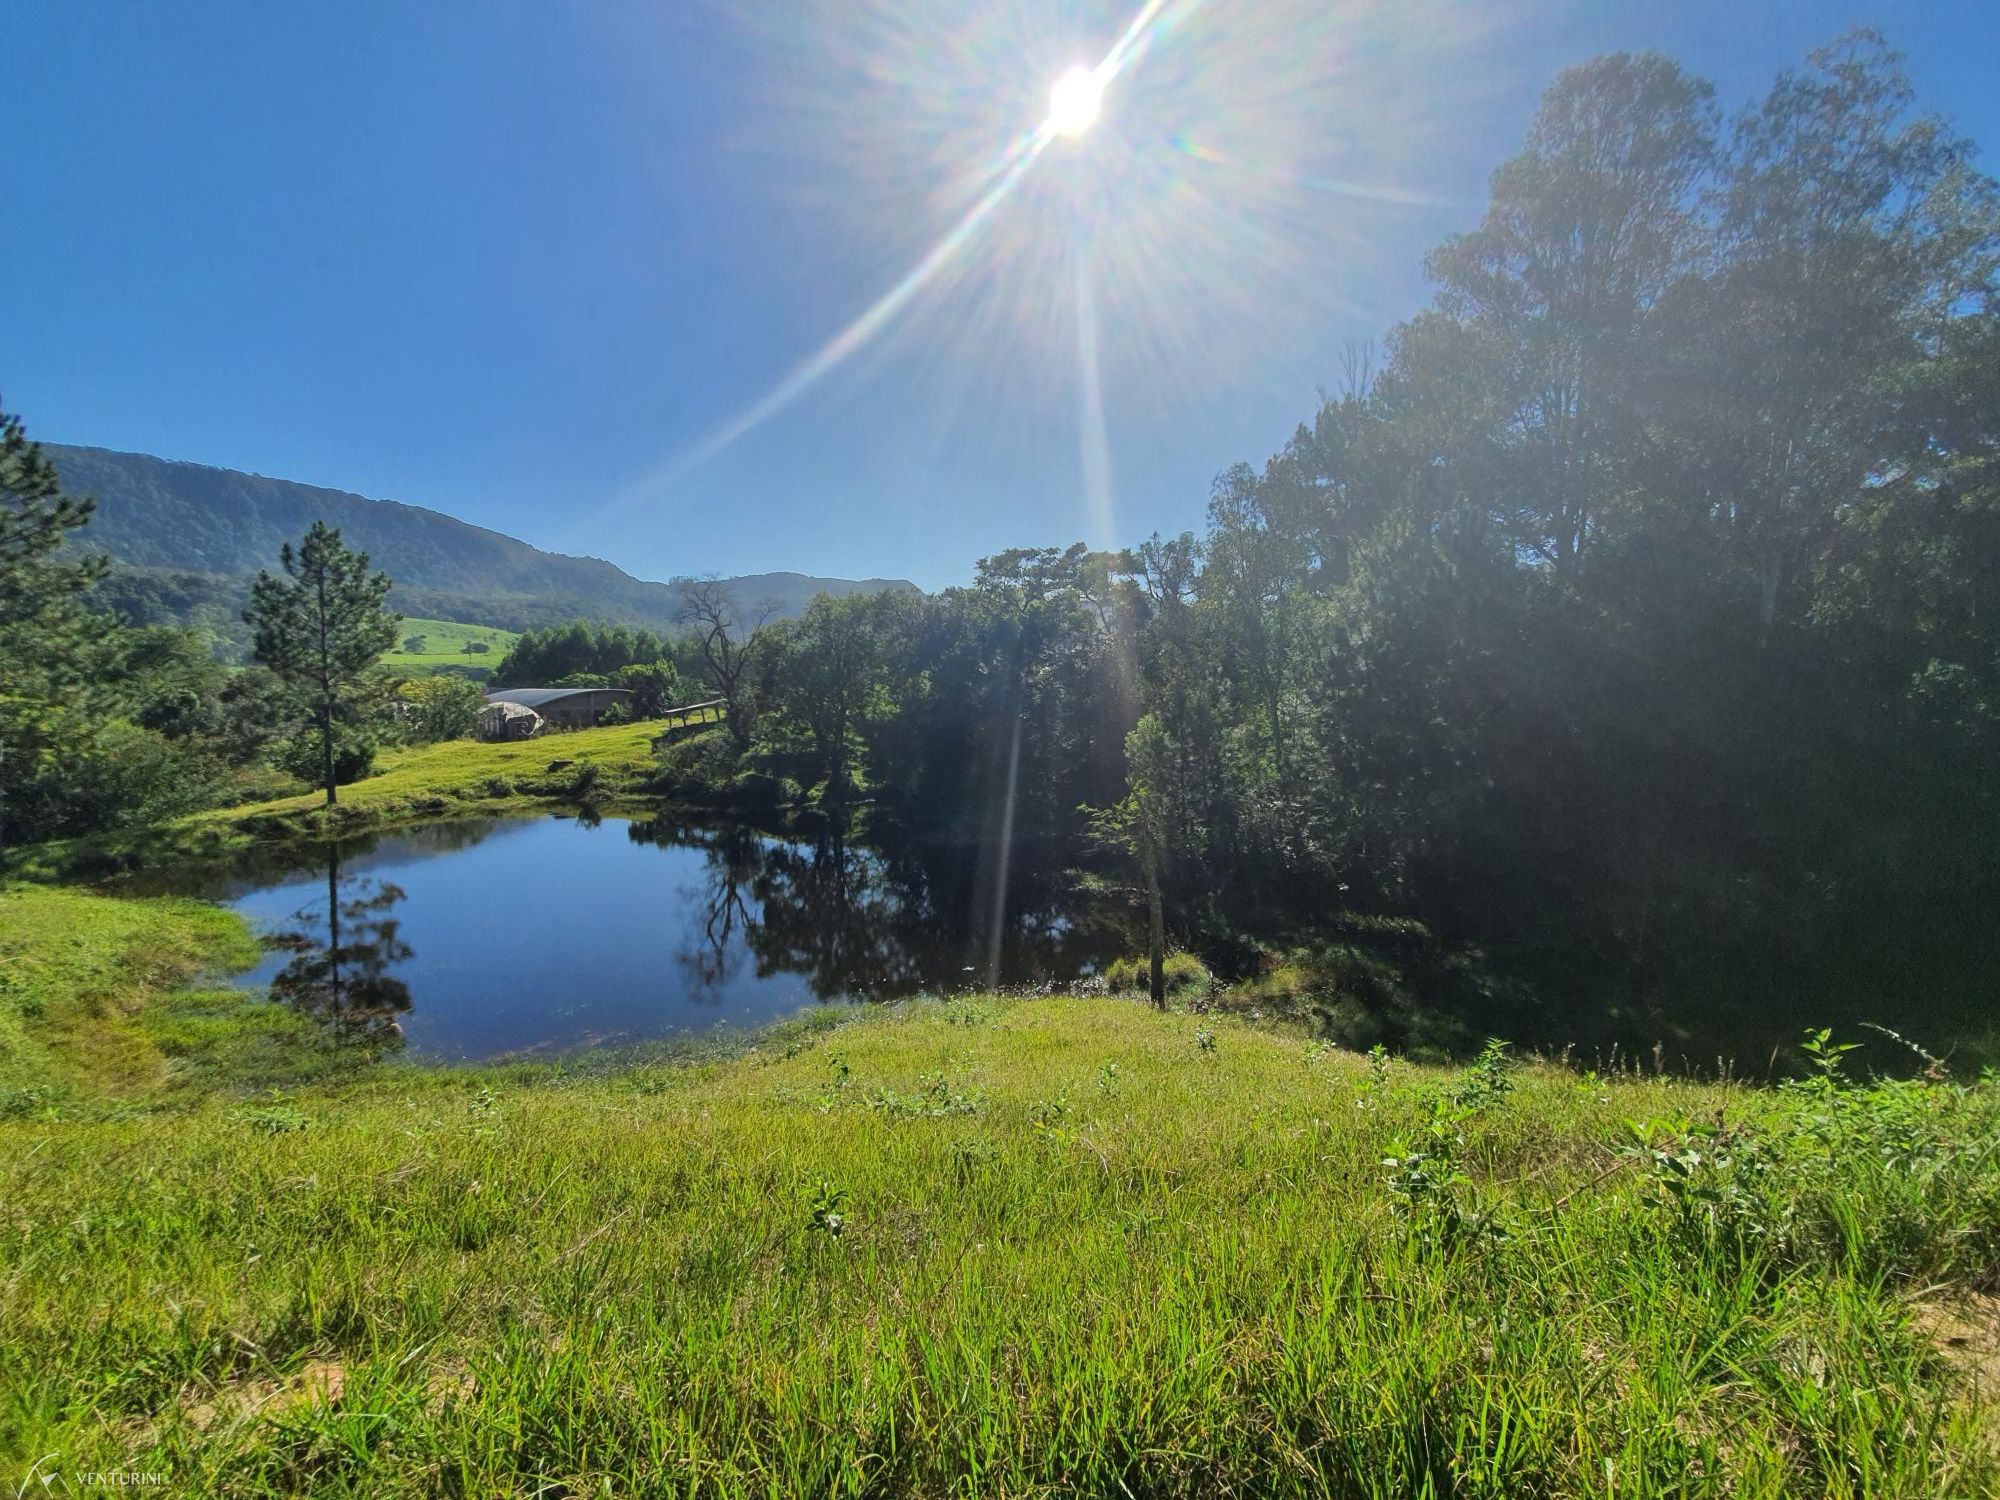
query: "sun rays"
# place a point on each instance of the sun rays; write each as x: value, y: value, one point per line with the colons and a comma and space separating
x: 1123, y: 271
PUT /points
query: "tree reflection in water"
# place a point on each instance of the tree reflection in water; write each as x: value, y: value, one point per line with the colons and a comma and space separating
x: 340, y: 969
x: 718, y: 910
x: 861, y: 920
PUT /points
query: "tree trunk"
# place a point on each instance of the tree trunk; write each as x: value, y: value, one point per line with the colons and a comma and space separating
x: 326, y: 752
x: 1156, y: 942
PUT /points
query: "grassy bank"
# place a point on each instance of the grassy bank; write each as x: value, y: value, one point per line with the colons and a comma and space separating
x: 111, y: 1008
x: 585, y: 767
x: 999, y: 1247
x: 432, y: 781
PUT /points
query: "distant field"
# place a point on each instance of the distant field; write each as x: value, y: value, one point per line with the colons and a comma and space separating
x: 444, y: 645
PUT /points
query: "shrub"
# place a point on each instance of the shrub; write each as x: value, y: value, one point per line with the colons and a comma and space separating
x: 441, y: 708
x: 696, y: 765
x: 300, y: 756
x: 1184, y: 973
x: 1890, y: 1178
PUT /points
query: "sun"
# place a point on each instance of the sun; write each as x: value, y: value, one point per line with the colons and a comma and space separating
x: 1074, y: 102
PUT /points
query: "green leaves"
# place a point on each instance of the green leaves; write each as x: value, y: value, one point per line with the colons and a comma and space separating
x: 319, y: 628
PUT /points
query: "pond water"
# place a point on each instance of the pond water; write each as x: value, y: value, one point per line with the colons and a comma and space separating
x: 479, y: 939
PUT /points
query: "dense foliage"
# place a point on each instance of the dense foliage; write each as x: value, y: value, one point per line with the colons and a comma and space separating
x: 100, y: 726
x: 541, y: 658
x: 1640, y: 613
x: 1636, y: 620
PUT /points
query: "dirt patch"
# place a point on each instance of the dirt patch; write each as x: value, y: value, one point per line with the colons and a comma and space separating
x: 320, y: 1383
x: 1967, y: 1331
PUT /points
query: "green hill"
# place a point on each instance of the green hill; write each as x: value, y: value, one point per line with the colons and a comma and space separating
x: 193, y: 535
x: 445, y: 643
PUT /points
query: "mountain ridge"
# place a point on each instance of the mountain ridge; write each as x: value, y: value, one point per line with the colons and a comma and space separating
x: 194, y: 534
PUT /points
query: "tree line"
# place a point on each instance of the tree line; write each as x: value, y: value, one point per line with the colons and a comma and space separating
x: 1635, y: 615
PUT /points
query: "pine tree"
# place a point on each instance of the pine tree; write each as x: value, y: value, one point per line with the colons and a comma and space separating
x: 48, y: 640
x: 320, y: 628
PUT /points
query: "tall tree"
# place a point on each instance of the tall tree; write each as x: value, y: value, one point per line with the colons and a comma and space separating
x: 1588, y: 227
x: 830, y: 680
x: 320, y: 628
x: 1141, y: 829
x: 1855, y: 232
x: 727, y: 638
x: 47, y: 638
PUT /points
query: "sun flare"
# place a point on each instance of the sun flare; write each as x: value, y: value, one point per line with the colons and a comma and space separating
x: 1075, y: 101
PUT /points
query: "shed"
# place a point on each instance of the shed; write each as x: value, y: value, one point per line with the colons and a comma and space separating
x: 566, y: 708
x: 508, y: 721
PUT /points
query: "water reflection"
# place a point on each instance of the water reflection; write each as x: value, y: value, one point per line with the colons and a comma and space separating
x: 343, y: 953
x: 481, y: 938
x: 857, y: 919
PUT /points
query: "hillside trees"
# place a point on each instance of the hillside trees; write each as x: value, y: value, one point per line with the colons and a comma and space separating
x: 99, y: 726
x: 582, y: 648
x: 831, y: 672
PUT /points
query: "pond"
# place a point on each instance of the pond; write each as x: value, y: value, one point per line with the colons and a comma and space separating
x: 478, y: 939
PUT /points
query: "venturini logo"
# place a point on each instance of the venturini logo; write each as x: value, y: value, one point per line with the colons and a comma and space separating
x: 42, y: 1480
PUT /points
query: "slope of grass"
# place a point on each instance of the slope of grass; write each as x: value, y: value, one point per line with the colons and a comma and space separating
x: 84, y: 979
x: 585, y: 767
x: 431, y: 781
x: 1002, y: 1247
x: 444, y: 645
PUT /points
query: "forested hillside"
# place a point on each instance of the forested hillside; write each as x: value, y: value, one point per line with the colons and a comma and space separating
x: 190, y: 537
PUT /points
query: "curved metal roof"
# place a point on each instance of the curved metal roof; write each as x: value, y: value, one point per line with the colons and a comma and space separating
x: 541, y: 697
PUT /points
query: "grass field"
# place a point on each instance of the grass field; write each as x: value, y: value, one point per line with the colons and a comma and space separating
x: 980, y: 1247
x: 437, y: 780
x: 444, y: 643
x: 585, y: 767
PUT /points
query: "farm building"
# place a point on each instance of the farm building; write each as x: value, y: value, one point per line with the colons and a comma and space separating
x: 508, y: 721
x: 565, y: 708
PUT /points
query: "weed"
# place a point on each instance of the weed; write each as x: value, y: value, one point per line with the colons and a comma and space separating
x: 825, y: 1209
x: 970, y: 1158
x: 32, y: 1101
x: 964, y: 1012
x: 1375, y: 1088
x: 276, y: 1116
x: 935, y: 1098
x: 1487, y: 1082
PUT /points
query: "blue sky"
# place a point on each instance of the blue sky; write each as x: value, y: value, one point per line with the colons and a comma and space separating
x: 529, y: 263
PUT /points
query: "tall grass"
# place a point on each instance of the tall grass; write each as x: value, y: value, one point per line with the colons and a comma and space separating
x: 998, y: 1247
